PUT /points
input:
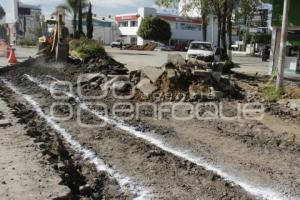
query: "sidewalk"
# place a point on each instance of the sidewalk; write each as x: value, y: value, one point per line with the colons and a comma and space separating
x: 22, y: 174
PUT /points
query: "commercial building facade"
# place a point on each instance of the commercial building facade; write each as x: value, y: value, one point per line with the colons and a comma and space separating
x: 105, y: 29
x: 183, y: 29
x: 292, y: 59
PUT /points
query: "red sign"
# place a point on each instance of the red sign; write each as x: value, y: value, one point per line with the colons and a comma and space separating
x: 120, y: 18
x: 181, y: 19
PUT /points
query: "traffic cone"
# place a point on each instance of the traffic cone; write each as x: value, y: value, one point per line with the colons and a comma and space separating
x: 8, y: 51
x: 12, y: 58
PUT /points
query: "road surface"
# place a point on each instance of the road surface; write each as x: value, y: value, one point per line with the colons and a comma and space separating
x: 136, y: 59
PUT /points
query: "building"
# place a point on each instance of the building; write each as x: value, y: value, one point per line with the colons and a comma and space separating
x: 292, y: 59
x: 25, y: 18
x: 105, y: 29
x: 183, y: 29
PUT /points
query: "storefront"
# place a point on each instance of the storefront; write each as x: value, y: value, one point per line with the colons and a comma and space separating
x: 183, y: 29
x: 292, y: 60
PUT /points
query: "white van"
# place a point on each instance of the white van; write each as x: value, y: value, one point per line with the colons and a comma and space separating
x: 198, y: 48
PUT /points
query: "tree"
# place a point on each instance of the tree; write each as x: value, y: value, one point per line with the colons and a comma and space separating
x: 202, y: 8
x: 75, y: 7
x: 89, y: 23
x: 2, y: 12
x: 229, y: 26
x: 80, y: 27
x: 164, y: 3
x: 154, y: 28
x: 282, y: 50
x: 247, y: 10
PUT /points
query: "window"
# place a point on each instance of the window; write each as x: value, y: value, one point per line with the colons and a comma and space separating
x: 133, y: 23
x: 192, y: 27
x: 201, y: 46
x: 123, y: 24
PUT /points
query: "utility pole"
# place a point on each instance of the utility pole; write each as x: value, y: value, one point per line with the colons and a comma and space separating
x: 282, y: 50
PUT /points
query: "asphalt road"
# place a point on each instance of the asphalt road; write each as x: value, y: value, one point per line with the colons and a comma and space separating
x: 21, y: 54
x: 136, y: 59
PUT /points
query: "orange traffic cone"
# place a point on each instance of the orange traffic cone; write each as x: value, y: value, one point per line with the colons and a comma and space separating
x: 12, y: 58
x: 8, y: 51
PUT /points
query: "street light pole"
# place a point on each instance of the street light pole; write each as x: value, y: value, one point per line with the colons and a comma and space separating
x: 282, y: 50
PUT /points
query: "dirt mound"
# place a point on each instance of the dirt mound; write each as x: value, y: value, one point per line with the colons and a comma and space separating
x: 104, y: 64
x: 146, y: 47
x: 178, y: 80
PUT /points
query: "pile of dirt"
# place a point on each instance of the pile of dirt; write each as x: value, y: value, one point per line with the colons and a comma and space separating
x: 146, y: 47
x: 103, y: 64
x: 178, y: 80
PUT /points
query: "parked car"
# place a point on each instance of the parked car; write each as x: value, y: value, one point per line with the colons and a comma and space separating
x: 116, y: 43
x: 200, y: 49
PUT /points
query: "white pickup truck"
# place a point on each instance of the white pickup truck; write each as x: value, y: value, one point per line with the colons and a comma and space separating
x: 199, y: 49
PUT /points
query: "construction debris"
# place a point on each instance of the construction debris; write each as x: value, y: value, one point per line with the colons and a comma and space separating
x: 146, y: 47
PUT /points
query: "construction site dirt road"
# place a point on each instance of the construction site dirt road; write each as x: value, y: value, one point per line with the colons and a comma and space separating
x: 101, y: 151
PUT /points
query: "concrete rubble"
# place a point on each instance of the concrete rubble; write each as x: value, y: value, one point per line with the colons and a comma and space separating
x: 146, y: 87
x: 175, y: 80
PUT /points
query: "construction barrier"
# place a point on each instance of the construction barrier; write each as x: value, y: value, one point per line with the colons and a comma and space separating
x: 12, y: 58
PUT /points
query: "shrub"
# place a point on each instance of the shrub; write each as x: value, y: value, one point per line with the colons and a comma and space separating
x: 28, y: 42
x: 228, y: 65
x: 87, y: 47
x: 272, y: 94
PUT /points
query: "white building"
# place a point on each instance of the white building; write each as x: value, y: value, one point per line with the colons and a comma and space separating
x: 23, y: 20
x: 105, y: 29
x: 183, y: 29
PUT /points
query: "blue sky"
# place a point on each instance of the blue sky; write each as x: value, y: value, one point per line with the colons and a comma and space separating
x: 101, y: 7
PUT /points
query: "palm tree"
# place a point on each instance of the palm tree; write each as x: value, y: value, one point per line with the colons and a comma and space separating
x: 75, y: 7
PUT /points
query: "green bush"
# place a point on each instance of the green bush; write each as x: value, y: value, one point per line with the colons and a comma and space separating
x: 228, y: 65
x: 261, y: 38
x: 28, y: 42
x: 86, y: 46
x: 272, y: 94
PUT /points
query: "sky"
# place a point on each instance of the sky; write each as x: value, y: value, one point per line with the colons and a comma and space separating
x: 100, y: 7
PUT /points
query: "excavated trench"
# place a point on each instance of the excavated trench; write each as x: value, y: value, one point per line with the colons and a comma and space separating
x: 80, y: 169
x: 181, y: 153
x: 162, y: 169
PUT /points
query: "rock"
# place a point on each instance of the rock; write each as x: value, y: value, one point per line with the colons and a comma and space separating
x: 146, y: 87
x: 152, y: 73
x: 171, y: 73
x: 176, y: 59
